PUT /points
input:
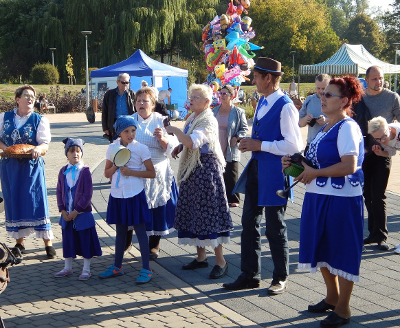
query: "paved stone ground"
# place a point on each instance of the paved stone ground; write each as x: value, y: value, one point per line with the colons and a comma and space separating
x: 177, y: 298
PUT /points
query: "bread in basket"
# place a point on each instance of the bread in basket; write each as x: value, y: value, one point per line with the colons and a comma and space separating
x: 18, y: 151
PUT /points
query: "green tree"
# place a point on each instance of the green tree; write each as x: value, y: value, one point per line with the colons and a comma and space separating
x: 364, y: 30
x: 286, y: 25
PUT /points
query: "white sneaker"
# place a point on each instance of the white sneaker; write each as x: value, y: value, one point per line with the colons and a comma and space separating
x: 397, y: 246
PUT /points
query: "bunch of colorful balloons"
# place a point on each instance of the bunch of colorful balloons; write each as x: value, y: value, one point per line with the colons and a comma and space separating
x: 228, y: 52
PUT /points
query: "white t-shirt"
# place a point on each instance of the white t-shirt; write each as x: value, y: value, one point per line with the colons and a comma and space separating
x: 394, y: 144
x: 349, y: 137
x: 129, y: 186
x: 163, y: 94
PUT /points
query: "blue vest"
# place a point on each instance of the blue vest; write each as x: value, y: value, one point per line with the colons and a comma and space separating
x: 270, y: 176
x: 26, y: 134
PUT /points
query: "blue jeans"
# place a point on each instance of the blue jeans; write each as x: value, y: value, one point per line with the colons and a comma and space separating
x: 276, y: 232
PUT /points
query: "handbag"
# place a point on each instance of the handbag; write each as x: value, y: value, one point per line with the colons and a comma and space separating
x: 90, y: 114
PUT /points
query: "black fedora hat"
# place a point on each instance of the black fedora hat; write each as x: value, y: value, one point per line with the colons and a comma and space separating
x: 268, y: 65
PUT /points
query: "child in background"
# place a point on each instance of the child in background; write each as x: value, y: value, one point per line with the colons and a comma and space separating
x: 388, y: 135
x: 74, y: 195
x: 127, y: 205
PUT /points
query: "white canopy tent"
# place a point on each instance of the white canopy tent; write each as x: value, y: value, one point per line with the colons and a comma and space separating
x: 349, y: 59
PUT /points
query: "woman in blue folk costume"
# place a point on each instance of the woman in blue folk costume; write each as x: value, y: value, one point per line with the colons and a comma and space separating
x: 332, y: 218
x: 24, y: 179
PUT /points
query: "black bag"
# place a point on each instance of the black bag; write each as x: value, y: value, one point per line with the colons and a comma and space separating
x: 90, y: 114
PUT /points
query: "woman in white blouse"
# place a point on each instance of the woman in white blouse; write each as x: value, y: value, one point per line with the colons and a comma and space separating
x: 23, y: 179
x: 161, y: 192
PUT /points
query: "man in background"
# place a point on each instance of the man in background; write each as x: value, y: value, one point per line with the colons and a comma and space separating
x: 117, y: 102
x: 379, y: 102
x: 165, y: 94
x: 310, y: 113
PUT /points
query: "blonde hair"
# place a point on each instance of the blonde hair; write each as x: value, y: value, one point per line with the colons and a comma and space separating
x: 205, y: 90
x: 377, y: 123
x: 148, y: 91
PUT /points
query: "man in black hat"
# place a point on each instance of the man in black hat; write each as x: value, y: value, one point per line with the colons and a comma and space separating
x: 275, y: 133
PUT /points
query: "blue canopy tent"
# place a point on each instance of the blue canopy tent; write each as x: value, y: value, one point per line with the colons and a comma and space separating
x: 141, y: 67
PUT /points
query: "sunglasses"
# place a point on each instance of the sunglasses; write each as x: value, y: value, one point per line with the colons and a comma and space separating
x: 224, y: 93
x: 124, y: 82
x: 327, y: 95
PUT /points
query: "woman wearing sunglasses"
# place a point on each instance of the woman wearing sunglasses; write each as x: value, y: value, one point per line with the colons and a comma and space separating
x: 331, y: 230
x: 232, y: 125
x: 23, y: 179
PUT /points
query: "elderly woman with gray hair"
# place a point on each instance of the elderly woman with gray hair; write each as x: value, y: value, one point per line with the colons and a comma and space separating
x: 232, y: 125
x: 202, y: 215
x: 387, y: 135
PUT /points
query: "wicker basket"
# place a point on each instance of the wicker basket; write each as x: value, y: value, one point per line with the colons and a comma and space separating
x: 29, y: 156
x: 294, y: 170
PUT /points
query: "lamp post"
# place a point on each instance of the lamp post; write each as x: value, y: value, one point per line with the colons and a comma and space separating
x: 293, y: 52
x: 52, y: 55
x: 86, y: 33
x: 395, y: 62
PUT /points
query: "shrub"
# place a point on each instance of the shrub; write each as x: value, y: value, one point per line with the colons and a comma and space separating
x: 66, y: 101
x: 7, y: 104
x: 44, y: 74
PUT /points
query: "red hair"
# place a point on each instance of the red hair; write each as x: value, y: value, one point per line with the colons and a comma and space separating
x: 349, y: 87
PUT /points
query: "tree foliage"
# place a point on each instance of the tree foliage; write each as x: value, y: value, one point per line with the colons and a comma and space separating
x: 364, y: 30
x: 283, y: 26
x: 119, y: 27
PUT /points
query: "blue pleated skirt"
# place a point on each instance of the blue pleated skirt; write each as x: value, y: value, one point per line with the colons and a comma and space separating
x: 128, y: 211
x: 25, y: 196
x: 83, y: 243
x: 331, y: 234
x: 163, y: 216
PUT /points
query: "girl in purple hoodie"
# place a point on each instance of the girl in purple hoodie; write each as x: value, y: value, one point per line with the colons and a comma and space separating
x: 74, y: 195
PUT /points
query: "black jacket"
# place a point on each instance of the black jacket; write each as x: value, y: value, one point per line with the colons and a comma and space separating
x: 110, y: 107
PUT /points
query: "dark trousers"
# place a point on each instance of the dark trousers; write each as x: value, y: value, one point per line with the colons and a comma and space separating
x: 376, y: 174
x: 231, y: 176
x: 276, y: 232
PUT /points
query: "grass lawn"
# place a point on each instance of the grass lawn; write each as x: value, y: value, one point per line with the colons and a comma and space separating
x: 7, y: 90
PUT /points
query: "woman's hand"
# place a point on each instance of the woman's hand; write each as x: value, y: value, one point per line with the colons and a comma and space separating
x: 36, y: 152
x: 286, y: 161
x: 158, y: 133
x: 308, y: 175
x: 171, y: 129
x: 176, y: 151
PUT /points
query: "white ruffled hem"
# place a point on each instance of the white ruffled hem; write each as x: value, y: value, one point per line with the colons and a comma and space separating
x: 31, y: 232
x: 159, y: 233
x: 28, y: 223
x: 214, y: 243
x: 336, y: 272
